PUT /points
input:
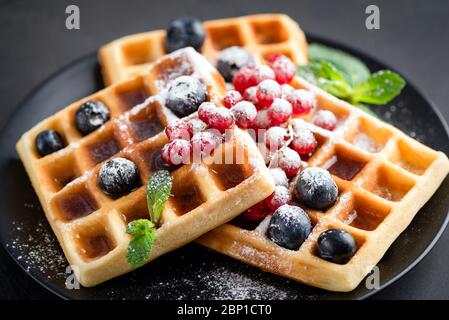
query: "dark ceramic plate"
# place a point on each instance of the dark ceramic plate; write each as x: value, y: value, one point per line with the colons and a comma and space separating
x: 193, y: 272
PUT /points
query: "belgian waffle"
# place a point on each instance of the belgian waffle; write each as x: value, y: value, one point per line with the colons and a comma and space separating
x: 384, y: 177
x: 89, y: 225
x: 262, y: 35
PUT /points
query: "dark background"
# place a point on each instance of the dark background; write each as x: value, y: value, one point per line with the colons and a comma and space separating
x: 413, y: 38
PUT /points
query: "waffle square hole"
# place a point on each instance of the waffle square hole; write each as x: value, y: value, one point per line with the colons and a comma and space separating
x: 58, y: 171
x: 135, y: 210
x: 151, y: 156
x: 141, y: 51
x: 171, y: 68
x: 146, y: 122
x: 344, y: 164
x: 94, y: 241
x: 230, y: 166
x: 104, y: 146
x: 388, y: 183
x: 186, y: 196
x: 363, y: 212
x: 369, y: 137
x: 223, y: 37
x: 268, y: 32
x: 131, y: 93
x: 74, y: 203
x: 410, y: 159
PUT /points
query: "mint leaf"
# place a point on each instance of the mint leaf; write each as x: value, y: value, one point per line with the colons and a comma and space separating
x: 354, y: 70
x: 158, y: 191
x: 380, y: 88
x: 324, y: 75
x: 139, y: 248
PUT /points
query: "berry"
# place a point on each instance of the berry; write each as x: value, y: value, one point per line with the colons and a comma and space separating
x: 231, y: 98
x: 303, y: 101
x: 244, y: 114
x: 286, y: 90
x: 90, y: 116
x: 177, y: 152
x: 289, y: 227
x: 261, y: 73
x: 203, y: 143
x: 231, y: 60
x: 325, y: 119
x: 276, y: 137
x: 257, y: 212
x: 304, y: 142
x: 184, y: 32
x: 267, y: 91
x: 178, y: 129
x: 244, y: 78
x: 284, y: 69
x: 316, y: 188
x: 288, y: 160
x: 262, y: 120
x: 336, y: 245
x: 220, y: 119
x: 279, y: 111
x: 279, y: 177
x: 118, y: 177
x: 48, y: 141
x: 250, y: 95
x: 184, y: 95
x: 205, y: 110
x: 196, y: 125
x: 278, y: 198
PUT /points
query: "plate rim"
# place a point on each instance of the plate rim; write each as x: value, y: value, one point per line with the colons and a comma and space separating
x: 310, y: 36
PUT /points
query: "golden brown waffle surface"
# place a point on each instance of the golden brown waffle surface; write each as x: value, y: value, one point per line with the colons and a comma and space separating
x: 262, y: 35
x: 90, y: 225
x: 384, y: 177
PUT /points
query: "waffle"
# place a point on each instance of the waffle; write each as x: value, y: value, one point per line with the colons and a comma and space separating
x: 262, y: 35
x: 89, y: 225
x: 384, y: 177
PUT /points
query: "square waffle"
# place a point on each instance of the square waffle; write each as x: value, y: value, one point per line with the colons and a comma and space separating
x: 262, y: 35
x: 90, y: 225
x: 384, y: 177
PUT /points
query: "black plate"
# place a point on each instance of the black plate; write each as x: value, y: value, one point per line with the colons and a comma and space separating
x: 193, y: 272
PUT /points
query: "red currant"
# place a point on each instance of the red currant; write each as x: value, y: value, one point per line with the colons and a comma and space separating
x: 288, y: 160
x: 177, y: 152
x: 302, y: 101
x: 205, y: 110
x: 286, y: 90
x: 231, y: 98
x: 244, y: 114
x: 244, y: 78
x: 284, y: 69
x: 177, y: 130
x: 279, y: 197
x: 276, y: 137
x: 304, y: 142
x: 279, y: 111
x: 203, y: 143
x: 262, y: 120
x: 251, y: 95
x: 196, y: 125
x: 267, y: 91
x: 257, y: 212
x: 220, y: 119
x: 261, y: 73
x: 325, y: 119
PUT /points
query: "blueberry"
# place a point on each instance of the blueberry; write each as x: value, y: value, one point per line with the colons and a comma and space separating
x: 336, y: 245
x: 289, y: 226
x: 231, y: 60
x: 47, y: 142
x: 185, y: 94
x: 316, y: 188
x: 90, y: 116
x: 118, y: 177
x: 185, y: 32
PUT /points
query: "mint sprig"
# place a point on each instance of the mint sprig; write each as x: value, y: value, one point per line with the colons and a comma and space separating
x: 143, y: 231
x: 158, y: 191
x: 348, y: 78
